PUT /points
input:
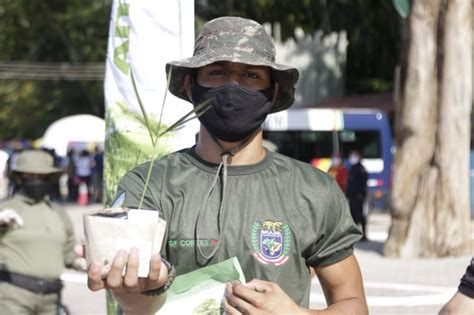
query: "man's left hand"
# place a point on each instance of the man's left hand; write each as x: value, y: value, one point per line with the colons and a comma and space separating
x: 259, y: 297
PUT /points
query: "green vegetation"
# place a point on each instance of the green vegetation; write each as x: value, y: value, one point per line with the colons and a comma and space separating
x: 373, y: 29
x: 125, y: 150
x: 75, y: 32
x: 53, y: 31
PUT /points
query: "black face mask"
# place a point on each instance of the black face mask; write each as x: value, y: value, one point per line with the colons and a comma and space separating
x: 235, y: 111
x: 36, y: 189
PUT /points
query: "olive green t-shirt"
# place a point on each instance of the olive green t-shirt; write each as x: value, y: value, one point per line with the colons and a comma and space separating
x: 278, y: 216
x: 43, y: 245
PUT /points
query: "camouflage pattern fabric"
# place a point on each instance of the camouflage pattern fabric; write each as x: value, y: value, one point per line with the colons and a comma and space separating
x: 239, y: 40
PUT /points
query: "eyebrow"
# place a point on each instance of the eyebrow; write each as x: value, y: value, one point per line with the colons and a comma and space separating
x: 222, y: 63
x: 218, y: 63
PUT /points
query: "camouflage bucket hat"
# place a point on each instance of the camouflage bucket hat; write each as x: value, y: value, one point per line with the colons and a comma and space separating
x: 239, y: 40
x: 35, y: 162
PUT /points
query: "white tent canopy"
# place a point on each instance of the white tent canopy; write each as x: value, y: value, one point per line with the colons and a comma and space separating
x: 81, y: 128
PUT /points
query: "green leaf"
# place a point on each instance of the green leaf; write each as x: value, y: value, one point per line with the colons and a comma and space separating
x: 197, y: 110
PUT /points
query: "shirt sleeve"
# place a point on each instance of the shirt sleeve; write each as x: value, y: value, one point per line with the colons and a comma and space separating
x: 335, y: 231
x: 466, y: 286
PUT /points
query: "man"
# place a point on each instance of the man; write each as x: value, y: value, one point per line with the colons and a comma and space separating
x: 36, y: 239
x: 356, y: 190
x: 462, y: 301
x: 228, y: 196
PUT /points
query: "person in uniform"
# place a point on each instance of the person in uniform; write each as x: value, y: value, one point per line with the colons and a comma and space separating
x: 229, y: 196
x: 36, y: 239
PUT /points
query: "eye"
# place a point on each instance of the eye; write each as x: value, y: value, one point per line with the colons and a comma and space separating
x: 252, y: 75
x: 216, y: 72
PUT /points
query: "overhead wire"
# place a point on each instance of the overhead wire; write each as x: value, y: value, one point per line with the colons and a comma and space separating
x: 19, y: 70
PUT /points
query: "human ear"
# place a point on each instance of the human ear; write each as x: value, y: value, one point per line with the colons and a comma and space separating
x: 187, y: 86
x: 276, y: 91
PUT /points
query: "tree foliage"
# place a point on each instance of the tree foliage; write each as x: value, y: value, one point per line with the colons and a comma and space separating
x: 373, y: 29
x: 75, y: 31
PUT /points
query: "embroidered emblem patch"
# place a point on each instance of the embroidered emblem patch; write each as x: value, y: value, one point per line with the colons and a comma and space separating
x: 271, y: 242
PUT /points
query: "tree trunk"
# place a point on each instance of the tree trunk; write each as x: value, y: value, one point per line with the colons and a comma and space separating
x: 430, y: 195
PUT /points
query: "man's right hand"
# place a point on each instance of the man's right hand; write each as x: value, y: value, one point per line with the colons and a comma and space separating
x: 130, y: 282
x: 127, y: 288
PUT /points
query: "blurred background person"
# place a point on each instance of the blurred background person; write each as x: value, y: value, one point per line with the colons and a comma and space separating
x: 356, y: 189
x: 3, y: 174
x: 11, y: 164
x: 55, y: 194
x: 97, y: 174
x: 72, y: 180
x: 84, y: 164
x: 36, y: 240
x: 338, y: 171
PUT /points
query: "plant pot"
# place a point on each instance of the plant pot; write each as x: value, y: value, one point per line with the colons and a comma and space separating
x: 109, y: 230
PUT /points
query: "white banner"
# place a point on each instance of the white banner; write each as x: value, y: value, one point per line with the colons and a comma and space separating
x: 143, y: 36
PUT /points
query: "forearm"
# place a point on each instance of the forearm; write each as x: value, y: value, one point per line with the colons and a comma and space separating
x: 459, y: 304
x: 133, y: 303
x: 343, y: 288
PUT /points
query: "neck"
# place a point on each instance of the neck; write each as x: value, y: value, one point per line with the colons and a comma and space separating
x: 251, y: 153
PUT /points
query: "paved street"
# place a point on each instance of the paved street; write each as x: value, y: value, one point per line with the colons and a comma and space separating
x: 393, y: 286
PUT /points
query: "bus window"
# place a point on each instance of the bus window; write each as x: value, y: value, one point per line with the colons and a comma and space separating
x: 314, y: 134
x: 302, y: 145
x: 315, y: 144
x: 366, y: 141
